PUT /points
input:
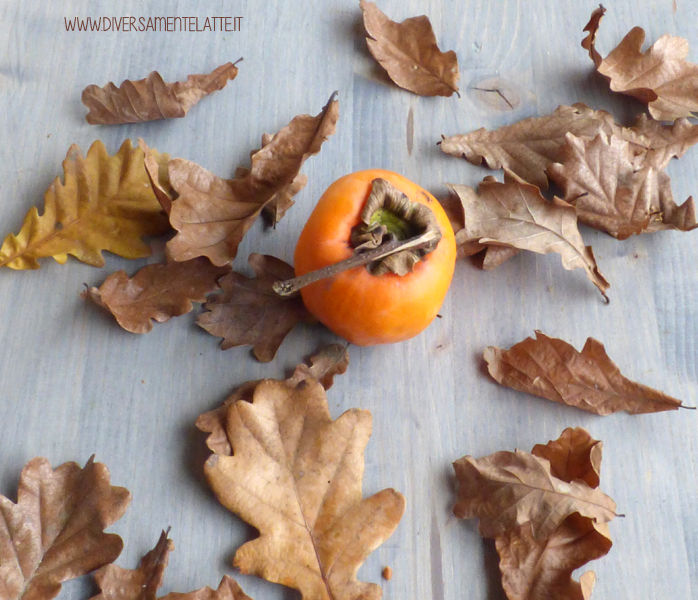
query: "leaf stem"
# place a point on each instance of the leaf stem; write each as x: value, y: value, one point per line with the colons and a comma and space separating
x: 291, y: 286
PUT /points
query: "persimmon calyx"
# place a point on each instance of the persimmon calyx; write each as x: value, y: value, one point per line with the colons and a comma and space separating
x: 395, y: 233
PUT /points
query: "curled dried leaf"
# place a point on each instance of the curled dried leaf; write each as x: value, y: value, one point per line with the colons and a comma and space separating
x: 151, y: 98
x: 157, y: 168
x: 409, y: 53
x: 308, y: 468
x: 249, y: 313
x: 55, y: 532
x: 552, y: 369
x: 105, y: 203
x: 661, y: 77
x: 212, y: 215
x: 514, y: 214
x: 157, y: 292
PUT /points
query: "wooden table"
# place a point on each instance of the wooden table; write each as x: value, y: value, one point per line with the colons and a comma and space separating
x: 73, y: 383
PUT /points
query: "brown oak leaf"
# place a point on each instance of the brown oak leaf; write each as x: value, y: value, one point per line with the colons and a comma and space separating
x: 295, y: 475
x: 157, y: 292
x: 527, y: 147
x: 534, y: 564
x: 105, y: 203
x: 508, y: 489
x: 329, y: 361
x: 552, y: 369
x: 151, y: 98
x: 211, y: 215
x: 143, y: 583
x: 661, y: 77
x: 409, y: 53
x: 250, y: 313
x: 157, y: 168
x: 600, y: 179
x: 514, y: 214
x: 663, y: 142
x: 55, y: 531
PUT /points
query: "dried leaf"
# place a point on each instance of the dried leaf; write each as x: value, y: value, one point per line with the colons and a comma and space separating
x: 106, y: 203
x: 212, y: 215
x: 315, y: 527
x: 527, y: 147
x: 329, y: 361
x: 508, y: 489
x: 143, y: 583
x: 55, y: 532
x: 157, y: 168
x: 574, y: 455
x: 514, y: 214
x: 660, y: 77
x: 497, y: 255
x: 158, y: 292
x: 590, y: 380
x: 663, y: 142
x: 250, y: 313
x: 542, y: 568
x: 409, y: 53
x: 670, y: 215
x: 151, y: 98
x: 598, y: 178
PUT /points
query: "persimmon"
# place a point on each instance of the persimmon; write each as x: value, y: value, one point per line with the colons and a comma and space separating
x: 387, y: 300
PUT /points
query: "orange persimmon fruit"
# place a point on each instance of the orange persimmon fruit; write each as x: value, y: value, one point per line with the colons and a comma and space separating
x: 363, y: 308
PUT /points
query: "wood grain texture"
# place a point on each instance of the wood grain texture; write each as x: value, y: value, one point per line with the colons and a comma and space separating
x: 74, y: 384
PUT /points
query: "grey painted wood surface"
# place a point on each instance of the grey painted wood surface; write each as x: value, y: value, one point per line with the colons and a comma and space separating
x: 74, y: 384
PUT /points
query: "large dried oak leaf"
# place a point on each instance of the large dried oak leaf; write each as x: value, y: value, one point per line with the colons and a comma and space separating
x: 295, y: 475
x: 514, y: 214
x: 212, y: 215
x: 552, y: 369
x: 55, y: 532
x: 117, y: 583
x: 600, y: 179
x: 409, y: 53
x: 106, y: 203
x: 250, y: 313
x: 157, y: 292
x: 661, y: 77
x: 151, y: 98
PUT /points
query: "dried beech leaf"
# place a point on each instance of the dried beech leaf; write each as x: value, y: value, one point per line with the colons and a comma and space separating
x: 409, y: 53
x: 250, y: 313
x: 329, y: 361
x: 661, y: 77
x: 508, y: 489
x: 157, y: 292
x: 106, y: 203
x: 143, y: 583
x: 151, y: 98
x: 574, y: 455
x: 527, y: 147
x: 157, y: 168
x: 542, y: 568
x: 315, y: 527
x: 514, y: 214
x: 55, y: 532
x: 590, y: 380
x: 212, y: 214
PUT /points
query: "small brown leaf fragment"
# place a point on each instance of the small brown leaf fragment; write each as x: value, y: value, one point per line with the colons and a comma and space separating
x: 212, y: 215
x: 661, y: 77
x: 670, y: 215
x: 552, y: 369
x: 514, y: 214
x: 157, y: 168
x: 508, y: 489
x: 250, y: 313
x: 527, y: 147
x: 329, y: 361
x: 409, y: 53
x: 151, y: 98
x: 157, y: 292
x: 143, y: 583
x: 105, y: 203
x: 574, y: 455
x: 55, y: 532
x: 315, y: 527
x: 498, y: 255
x: 664, y: 142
